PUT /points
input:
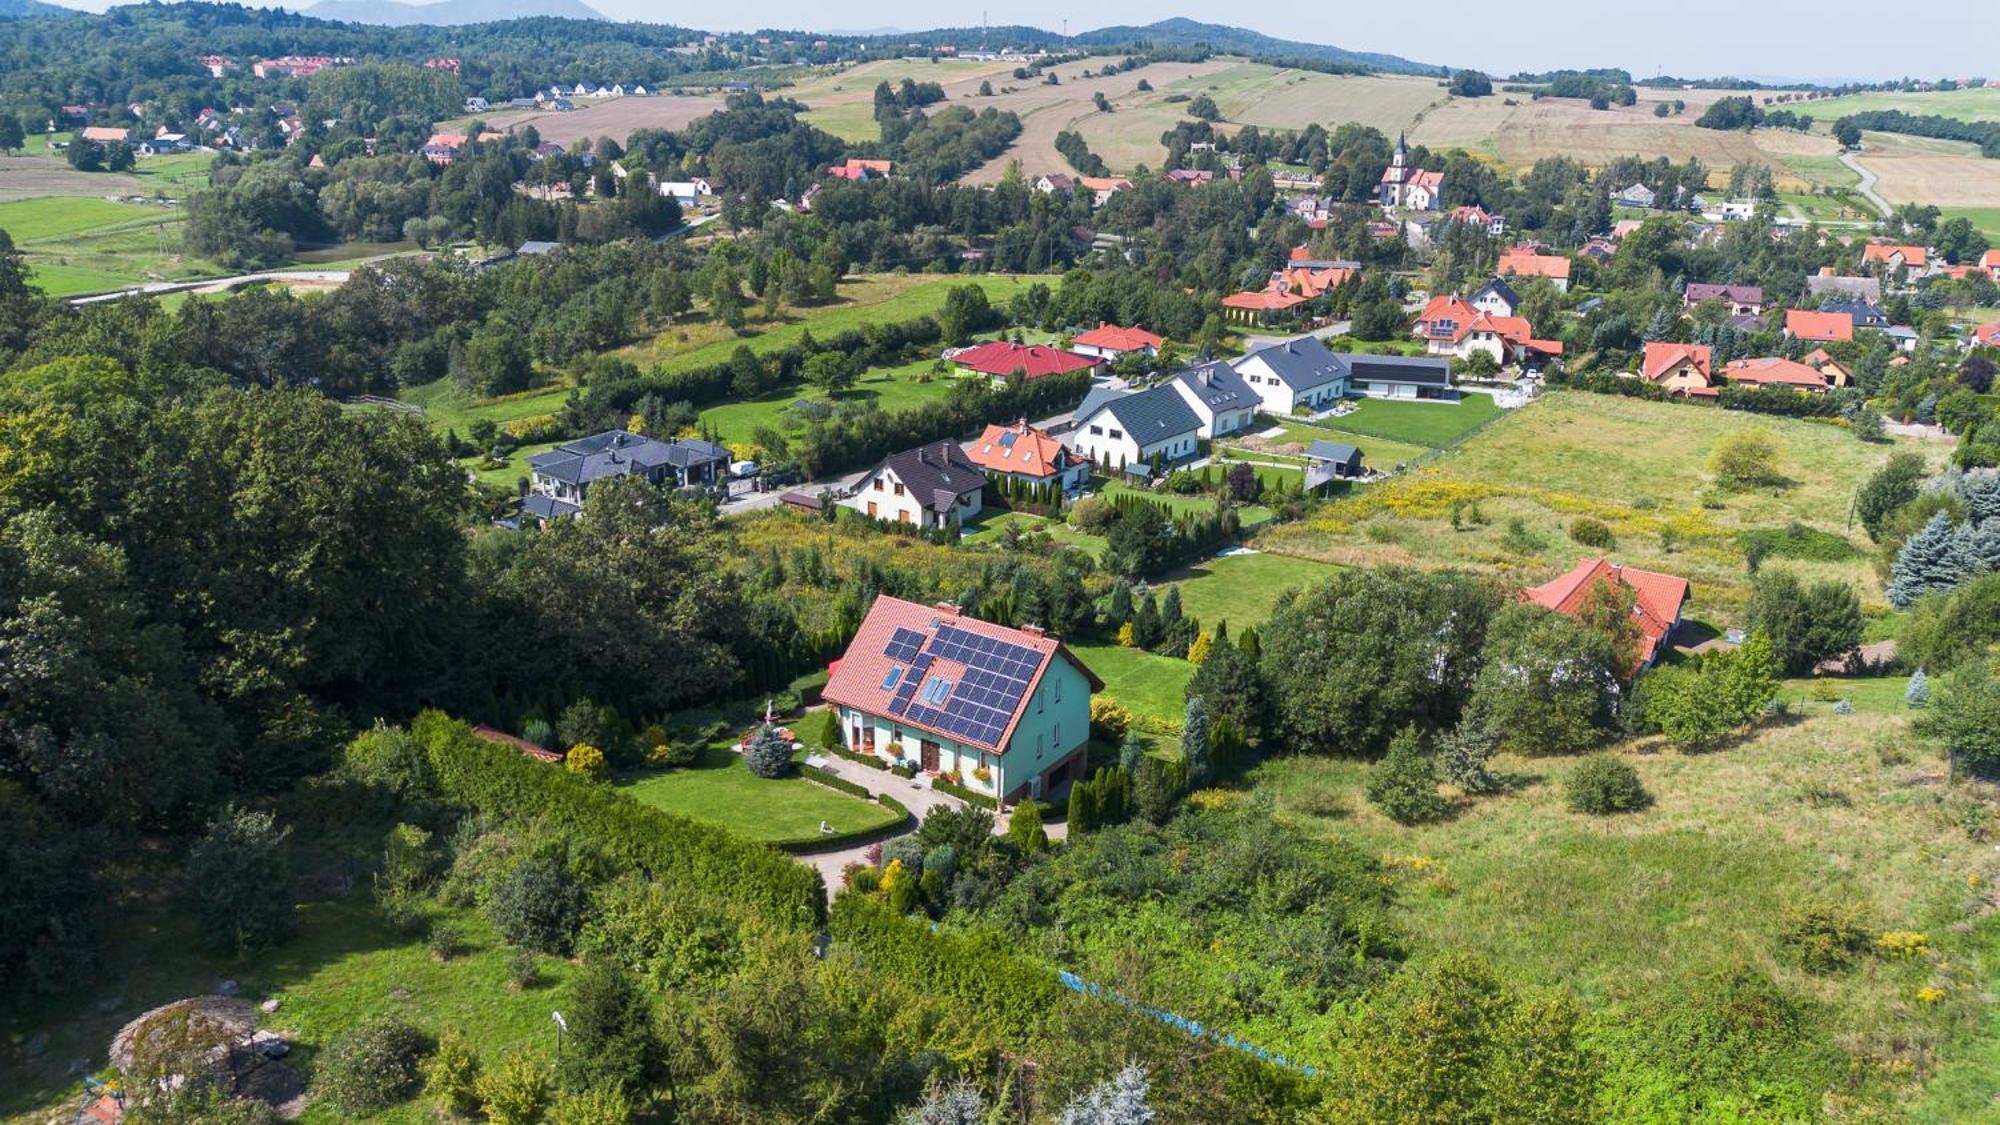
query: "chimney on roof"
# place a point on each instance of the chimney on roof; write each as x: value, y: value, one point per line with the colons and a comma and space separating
x: 1033, y: 630
x: 946, y: 609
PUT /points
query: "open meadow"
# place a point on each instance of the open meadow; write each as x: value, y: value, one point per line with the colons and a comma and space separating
x: 1620, y: 911
x: 1639, y: 467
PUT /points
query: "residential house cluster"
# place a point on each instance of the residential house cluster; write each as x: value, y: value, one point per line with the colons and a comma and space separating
x: 857, y: 169
x: 1101, y: 188
x: 297, y: 66
x: 1451, y: 325
x: 443, y: 148
x: 1688, y: 371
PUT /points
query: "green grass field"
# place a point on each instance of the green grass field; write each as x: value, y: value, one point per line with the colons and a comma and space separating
x: 1147, y: 685
x: 1241, y: 589
x: 1615, y: 909
x: 1987, y: 219
x: 864, y: 300
x: 991, y: 527
x: 1376, y: 452
x: 33, y: 220
x: 1569, y: 455
x: 721, y: 790
x: 1427, y: 424
x: 1966, y: 105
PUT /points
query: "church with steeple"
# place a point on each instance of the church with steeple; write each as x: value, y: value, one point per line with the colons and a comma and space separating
x: 1411, y: 189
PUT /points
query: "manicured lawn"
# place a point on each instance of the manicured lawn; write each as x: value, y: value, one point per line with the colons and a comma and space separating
x: 887, y: 388
x: 1241, y: 589
x: 990, y: 528
x: 344, y: 965
x: 1429, y: 424
x: 1174, y: 502
x: 1142, y: 683
x: 721, y: 790
x: 1376, y: 453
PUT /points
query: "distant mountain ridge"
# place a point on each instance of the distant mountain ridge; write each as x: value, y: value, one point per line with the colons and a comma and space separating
x: 445, y: 13
x: 1183, y: 32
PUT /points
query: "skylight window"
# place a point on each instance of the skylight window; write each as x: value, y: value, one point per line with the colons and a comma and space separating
x: 889, y: 681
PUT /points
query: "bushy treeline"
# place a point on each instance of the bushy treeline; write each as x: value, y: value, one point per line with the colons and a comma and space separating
x: 1985, y: 134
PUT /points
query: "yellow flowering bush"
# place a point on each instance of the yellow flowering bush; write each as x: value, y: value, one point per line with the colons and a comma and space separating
x: 587, y: 760
x: 1903, y: 943
x: 1930, y: 994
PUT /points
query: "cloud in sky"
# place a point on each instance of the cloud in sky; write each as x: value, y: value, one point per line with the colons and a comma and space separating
x: 1826, y: 40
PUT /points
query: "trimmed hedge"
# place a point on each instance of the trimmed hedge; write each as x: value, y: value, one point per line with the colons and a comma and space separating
x: 962, y: 793
x: 869, y: 760
x: 513, y: 788
x: 976, y: 970
x: 834, y: 781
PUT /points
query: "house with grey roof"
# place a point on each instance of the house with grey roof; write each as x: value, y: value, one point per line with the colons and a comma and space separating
x: 1219, y: 397
x: 1337, y: 458
x: 932, y: 486
x: 559, y: 479
x: 1496, y: 298
x: 1867, y: 289
x: 1400, y: 377
x: 1127, y: 429
x: 1296, y: 373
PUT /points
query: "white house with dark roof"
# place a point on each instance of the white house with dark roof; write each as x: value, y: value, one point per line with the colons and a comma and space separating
x: 1120, y: 429
x: 1496, y: 298
x: 559, y: 479
x: 1400, y: 377
x: 1297, y: 373
x: 1219, y: 397
x: 931, y: 486
x: 1005, y: 710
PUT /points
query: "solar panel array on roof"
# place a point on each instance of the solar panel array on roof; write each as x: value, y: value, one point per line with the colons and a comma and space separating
x: 903, y: 645
x: 982, y: 704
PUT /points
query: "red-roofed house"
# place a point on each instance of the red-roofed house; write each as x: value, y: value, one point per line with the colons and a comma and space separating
x: 1102, y: 188
x: 1990, y: 262
x: 1449, y: 326
x: 1777, y: 371
x: 1002, y: 358
x: 1835, y: 371
x: 1311, y: 281
x: 856, y: 169
x: 1987, y: 335
x: 1743, y: 300
x: 1894, y: 256
x: 105, y: 134
x: 1005, y: 710
x: 1657, y: 600
x: 1477, y: 216
x: 1827, y: 327
x: 1554, y: 267
x: 1259, y: 307
x: 1109, y: 341
x: 1026, y: 453
x: 1682, y: 369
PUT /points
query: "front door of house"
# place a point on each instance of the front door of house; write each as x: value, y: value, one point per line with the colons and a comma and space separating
x: 930, y: 754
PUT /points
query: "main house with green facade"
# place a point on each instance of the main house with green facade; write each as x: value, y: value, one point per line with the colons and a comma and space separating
x: 1005, y: 711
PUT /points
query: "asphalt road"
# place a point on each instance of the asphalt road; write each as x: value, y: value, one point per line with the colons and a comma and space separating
x: 1866, y: 187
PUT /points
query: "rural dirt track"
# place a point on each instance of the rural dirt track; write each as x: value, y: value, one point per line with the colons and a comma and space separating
x: 613, y: 117
x: 1866, y: 187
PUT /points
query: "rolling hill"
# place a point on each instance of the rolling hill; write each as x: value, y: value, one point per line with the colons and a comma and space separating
x: 1183, y: 32
x: 444, y: 13
x: 21, y: 9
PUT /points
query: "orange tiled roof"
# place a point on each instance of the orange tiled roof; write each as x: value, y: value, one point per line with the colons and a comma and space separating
x: 1118, y: 339
x: 1774, y: 371
x: 1517, y: 264
x: 1020, y: 448
x: 1262, y: 300
x: 1656, y: 598
x: 1311, y: 282
x: 1915, y: 256
x: 1806, y: 324
x: 1004, y: 357
x: 1662, y: 357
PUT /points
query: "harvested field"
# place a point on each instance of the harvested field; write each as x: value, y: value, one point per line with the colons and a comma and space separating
x: 614, y: 117
x: 1946, y: 173
x: 1520, y: 134
x: 1253, y: 94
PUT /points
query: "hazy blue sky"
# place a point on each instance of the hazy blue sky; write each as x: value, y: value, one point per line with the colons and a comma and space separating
x: 1823, y: 39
